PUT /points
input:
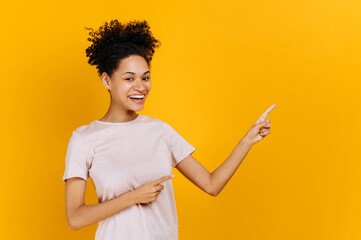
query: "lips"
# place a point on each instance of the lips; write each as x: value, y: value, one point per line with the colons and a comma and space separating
x: 136, y: 95
x: 136, y: 100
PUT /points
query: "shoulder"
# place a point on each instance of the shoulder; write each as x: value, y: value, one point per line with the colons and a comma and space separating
x: 83, y: 132
x: 83, y: 129
x: 152, y: 120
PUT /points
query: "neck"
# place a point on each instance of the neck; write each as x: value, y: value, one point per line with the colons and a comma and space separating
x: 115, y: 113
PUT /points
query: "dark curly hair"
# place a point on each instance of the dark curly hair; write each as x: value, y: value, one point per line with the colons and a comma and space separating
x: 114, y: 41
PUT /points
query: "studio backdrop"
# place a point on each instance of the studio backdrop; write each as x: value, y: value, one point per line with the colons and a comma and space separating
x: 221, y: 64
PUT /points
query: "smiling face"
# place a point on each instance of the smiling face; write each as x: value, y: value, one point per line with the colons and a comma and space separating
x: 131, y: 78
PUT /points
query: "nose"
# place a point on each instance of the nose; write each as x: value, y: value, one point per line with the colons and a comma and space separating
x: 139, y: 86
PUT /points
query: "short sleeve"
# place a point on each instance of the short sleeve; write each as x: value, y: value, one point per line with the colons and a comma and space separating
x: 77, y: 160
x: 177, y: 145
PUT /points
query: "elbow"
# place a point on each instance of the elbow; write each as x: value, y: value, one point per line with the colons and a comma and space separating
x: 73, y: 225
x: 211, y: 191
x: 75, y: 221
x: 213, y: 194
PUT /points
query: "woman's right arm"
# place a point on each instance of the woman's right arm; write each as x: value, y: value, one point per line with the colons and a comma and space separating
x: 80, y: 215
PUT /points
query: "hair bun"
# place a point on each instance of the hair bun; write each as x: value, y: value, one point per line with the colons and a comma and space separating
x: 114, y: 41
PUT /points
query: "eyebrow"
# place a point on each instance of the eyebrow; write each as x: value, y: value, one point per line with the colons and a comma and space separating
x: 134, y: 73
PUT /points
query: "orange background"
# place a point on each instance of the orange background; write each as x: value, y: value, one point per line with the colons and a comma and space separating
x: 220, y: 66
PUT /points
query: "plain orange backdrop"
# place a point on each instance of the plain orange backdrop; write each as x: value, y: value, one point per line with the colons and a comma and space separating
x: 220, y: 66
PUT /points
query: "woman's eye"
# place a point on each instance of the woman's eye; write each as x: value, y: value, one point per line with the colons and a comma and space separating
x: 128, y: 78
x: 145, y: 77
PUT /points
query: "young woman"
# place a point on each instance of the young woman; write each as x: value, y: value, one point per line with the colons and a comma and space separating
x: 130, y: 156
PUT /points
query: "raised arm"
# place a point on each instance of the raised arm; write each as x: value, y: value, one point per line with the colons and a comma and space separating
x: 213, y: 183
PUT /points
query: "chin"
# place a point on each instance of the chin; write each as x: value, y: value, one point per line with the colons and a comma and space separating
x: 136, y: 109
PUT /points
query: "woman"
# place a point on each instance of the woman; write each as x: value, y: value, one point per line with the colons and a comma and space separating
x: 130, y: 156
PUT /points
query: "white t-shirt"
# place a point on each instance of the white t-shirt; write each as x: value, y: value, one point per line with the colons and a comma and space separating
x: 120, y: 157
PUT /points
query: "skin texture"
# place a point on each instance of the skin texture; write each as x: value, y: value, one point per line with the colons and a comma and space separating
x: 122, y: 109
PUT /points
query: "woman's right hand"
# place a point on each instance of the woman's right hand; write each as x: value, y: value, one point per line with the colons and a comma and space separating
x: 149, y: 191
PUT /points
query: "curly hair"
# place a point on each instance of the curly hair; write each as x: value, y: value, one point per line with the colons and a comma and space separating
x: 114, y: 41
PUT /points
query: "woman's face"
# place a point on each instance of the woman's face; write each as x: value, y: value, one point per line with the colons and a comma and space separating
x: 131, y: 78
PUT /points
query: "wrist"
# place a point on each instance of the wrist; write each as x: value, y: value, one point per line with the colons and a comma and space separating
x: 132, y: 197
x: 245, y: 141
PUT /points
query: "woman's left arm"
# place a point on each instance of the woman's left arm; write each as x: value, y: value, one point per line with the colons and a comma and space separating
x: 213, y: 183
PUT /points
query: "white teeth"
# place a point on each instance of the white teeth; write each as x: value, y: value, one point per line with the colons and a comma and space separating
x: 136, y: 96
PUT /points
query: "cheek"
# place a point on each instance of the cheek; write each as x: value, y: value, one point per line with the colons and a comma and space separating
x: 122, y: 91
x: 124, y: 88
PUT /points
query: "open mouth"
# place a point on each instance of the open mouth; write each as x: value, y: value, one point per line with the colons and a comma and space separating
x: 137, y: 98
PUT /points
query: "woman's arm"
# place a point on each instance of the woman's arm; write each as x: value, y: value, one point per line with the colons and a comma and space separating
x: 221, y: 176
x: 214, y: 182
x: 80, y: 215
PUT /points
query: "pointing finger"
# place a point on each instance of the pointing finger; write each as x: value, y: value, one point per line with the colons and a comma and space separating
x: 264, y: 115
x: 162, y: 179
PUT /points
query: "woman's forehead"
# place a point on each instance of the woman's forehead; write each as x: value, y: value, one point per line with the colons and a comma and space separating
x: 133, y: 65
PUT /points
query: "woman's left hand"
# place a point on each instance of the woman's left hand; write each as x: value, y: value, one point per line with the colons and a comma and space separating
x: 260, y: 128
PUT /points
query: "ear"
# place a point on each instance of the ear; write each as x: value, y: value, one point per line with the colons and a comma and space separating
x: 105, y: 80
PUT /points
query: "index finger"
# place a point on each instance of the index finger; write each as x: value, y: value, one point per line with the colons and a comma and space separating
x: 264, y: 115
x: 162, y: 179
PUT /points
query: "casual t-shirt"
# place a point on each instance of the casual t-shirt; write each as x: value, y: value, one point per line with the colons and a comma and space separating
x: 119, y: 157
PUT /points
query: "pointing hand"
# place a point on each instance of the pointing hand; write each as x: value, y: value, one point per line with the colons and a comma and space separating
x: 260, y: 128
x: 149, y: 191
